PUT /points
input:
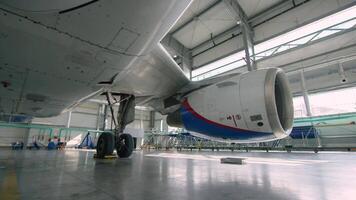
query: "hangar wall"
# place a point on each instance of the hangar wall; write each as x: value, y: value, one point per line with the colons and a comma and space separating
x: 9, y: 135
x: 87, y: 116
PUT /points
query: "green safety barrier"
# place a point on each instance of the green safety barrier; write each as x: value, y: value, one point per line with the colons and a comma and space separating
x: 84, y: 130
x: 41, y: 128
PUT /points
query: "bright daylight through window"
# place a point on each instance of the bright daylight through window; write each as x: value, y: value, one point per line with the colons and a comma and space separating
x: 327, y: 103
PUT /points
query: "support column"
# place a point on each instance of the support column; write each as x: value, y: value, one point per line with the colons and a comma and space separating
x: 247, y: 32
x: 69, y: 119
x: 141, y: 120
x: 152, y: 119
x: 305, y: 94
x: 342, y: 73
x: 249, y: 49
x: 99, y: 116
x: 27, y: 140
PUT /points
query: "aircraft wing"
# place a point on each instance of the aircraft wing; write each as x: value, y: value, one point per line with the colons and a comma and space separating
x: 153, y: 76
x: 54, y: 56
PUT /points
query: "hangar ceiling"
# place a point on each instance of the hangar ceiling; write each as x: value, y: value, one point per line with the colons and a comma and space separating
x: 208, y: 32
x: 208, y: 18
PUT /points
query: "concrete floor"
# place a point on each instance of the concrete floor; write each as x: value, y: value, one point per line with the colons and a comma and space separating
x: 76, y: 175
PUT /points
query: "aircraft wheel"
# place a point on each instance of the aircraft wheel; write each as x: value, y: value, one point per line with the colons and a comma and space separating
x: 125, y: 145
x: 105, y: 145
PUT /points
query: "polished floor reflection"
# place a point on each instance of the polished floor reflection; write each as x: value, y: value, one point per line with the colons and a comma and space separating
x: 73, y: 174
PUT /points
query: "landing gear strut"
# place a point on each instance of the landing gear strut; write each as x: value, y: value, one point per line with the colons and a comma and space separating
x: 123, y: 142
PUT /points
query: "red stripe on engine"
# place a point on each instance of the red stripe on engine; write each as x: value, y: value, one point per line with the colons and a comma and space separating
x: 191, y: 110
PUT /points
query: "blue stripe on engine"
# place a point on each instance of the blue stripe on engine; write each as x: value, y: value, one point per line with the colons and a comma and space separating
x: 199, y: 125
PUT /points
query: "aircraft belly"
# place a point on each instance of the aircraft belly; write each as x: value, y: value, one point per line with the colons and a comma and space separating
x: 63, y: 62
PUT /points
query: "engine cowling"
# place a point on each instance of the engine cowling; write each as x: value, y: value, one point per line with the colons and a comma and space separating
x: 255, y: 106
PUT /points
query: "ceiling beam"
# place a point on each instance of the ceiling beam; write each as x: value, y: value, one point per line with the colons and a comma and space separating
x: 237, y: 12
x: 195, y: 17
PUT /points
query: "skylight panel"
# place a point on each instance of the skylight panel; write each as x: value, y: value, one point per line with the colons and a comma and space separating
x: 346, y: 25
x: 318, y: 25
x: 219, y: 63
x: 325, y: 33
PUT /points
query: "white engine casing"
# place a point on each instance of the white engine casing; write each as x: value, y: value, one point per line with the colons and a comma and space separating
x: 255, y: 106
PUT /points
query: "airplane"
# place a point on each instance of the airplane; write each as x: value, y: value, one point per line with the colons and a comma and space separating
x: 54, y: 55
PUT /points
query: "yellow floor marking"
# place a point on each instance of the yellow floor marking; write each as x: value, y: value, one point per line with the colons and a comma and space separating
x: 9, y: 189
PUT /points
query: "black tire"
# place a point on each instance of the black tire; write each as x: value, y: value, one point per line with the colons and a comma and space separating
x: 105, y: 145
x: 125, y: 145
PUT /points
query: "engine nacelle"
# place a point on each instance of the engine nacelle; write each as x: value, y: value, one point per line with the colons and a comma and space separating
x: 255, y: 106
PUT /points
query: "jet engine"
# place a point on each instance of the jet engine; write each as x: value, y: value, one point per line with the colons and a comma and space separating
x: 255, y: 106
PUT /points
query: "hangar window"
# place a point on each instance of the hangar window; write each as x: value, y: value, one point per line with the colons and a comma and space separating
x: 333, y: 102
x: 340, y: 21
x: 327, y: 103
x: 299, y: 107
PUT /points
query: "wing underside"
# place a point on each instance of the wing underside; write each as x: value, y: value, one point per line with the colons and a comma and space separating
x: 50, y: 60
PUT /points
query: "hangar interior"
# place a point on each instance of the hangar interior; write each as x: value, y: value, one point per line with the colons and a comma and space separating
x: 313, y: 41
